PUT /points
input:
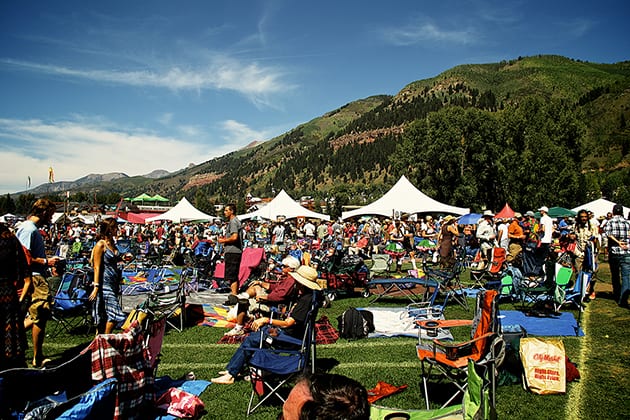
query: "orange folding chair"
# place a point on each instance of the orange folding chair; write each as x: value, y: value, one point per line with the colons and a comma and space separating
x: 448, y: 360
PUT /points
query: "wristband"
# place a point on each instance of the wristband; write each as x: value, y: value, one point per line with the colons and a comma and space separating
x: 270, y: 321
x: 46, y: 262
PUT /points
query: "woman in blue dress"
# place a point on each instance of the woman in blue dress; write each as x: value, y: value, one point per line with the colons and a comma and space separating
x: 108, y: 312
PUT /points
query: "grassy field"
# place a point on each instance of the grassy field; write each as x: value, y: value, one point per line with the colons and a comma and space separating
x: 601, y: 356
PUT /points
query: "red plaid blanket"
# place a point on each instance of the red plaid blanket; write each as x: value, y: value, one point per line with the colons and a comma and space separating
x: 124, y: 357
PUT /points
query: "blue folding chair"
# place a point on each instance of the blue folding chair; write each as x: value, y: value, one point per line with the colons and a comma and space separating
x: 274, y: 365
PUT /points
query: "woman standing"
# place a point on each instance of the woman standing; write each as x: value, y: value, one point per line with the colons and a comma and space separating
x: 107, y: 277
x: 446, y: 238
x: 13, y: 269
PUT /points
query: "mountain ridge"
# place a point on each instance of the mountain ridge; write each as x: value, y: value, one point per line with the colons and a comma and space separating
x: 358, y: 144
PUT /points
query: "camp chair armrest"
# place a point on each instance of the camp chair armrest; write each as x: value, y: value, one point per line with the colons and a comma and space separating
x: 443, y: 323
x: 463, y: 343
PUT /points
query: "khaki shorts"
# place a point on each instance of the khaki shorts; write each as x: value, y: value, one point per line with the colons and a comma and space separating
x: 39, y: 310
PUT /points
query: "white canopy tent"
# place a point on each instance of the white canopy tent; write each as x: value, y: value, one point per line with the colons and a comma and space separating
x: 600, y: 207
x: 182, y: 212
x: 283, y: 206
x: 404, y: 197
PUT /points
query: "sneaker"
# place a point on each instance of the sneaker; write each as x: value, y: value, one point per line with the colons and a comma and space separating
x: 238, y: 330
x: 226, y: 379
x: 231, y: 301
x: 223, y: 372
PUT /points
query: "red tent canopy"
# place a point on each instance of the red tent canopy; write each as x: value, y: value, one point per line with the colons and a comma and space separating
x: 505, y: 213
x: 139, y: 217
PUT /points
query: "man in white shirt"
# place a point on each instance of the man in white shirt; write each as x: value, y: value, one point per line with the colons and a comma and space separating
x: 545, y: 232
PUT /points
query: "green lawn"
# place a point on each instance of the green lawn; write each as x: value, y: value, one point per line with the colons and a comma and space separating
x: 601, y: 355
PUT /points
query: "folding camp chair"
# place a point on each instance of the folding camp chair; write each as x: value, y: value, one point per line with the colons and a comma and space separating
x: 449, y: 360
x: 549, y: 290
x: 380, y: 265
x: 280, y: 359
x: 169, y: 304
x: 71, y: 307
x: 449, y: 280
x: 491, y: 272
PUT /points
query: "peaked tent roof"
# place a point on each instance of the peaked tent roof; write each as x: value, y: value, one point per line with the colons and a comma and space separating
x: 143, y: 197
x: 283, y: 205
x: 406, y: 198
x: 600, y: 207
x: 158, y: 197
x: 182, y: 212
x: 505, y: 213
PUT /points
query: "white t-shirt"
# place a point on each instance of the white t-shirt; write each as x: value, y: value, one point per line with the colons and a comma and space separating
x: 547, y: 224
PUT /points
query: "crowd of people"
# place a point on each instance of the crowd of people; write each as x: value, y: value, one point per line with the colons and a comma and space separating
x: 31, y: 252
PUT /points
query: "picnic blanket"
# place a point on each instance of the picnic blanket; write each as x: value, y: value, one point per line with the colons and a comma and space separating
x: 562, y: 324
x: 149, y: 280
x: 215, y: 316
x: 396, y: 322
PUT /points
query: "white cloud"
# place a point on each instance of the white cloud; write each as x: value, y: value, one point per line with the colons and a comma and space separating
x: 238, y: 134
x: 576, y: 28
x: 75, y: 149
x: 252, y: 80
x: 91, y: 145
x: 426, y: 31
x: 165, y: 118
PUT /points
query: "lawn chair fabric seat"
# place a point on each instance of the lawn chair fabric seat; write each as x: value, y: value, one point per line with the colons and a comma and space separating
x: 21, y: 388
x: 380, y: 265
x: 71, y: 307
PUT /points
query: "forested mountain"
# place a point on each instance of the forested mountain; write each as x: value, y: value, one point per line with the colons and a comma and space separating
x: 531, y: 131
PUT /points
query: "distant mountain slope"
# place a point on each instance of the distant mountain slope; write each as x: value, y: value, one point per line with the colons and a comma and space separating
x: 352, y: 154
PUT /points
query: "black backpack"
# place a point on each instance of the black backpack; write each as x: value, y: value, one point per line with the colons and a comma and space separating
x: 354, y: 323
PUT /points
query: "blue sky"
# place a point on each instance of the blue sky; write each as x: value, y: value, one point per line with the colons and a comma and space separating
x: 133, y: 86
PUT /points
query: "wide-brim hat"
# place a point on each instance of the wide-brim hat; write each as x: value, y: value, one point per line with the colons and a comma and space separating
x: 530, y: 213
x: 306, y: 276
x: 517, y: 215
x: 487, y: 213
x: 291, y: 262
x: 448, y: 218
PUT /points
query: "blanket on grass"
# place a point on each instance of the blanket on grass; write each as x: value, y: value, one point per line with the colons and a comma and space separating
x: 562, y: 324
x: 396, y: 322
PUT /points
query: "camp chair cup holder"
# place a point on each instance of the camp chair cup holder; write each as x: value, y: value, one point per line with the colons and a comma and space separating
x: 431, y: 327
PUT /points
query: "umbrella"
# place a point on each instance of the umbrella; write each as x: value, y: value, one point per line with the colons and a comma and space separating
x: 469, y: 219
x: 561, y: 212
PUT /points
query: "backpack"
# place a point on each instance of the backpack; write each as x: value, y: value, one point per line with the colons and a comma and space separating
x: 354, y: 323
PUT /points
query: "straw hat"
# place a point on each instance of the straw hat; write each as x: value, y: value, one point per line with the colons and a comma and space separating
x: 291, y: 262
x: 306, y: 276
x: 448, y: 218
x: 488, y: 213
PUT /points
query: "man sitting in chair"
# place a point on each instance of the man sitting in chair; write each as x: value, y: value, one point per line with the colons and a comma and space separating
x: 262, y: 292
x: 293, y: 325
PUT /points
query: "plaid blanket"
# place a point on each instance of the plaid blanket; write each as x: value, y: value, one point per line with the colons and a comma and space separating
x: 124, y: 357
